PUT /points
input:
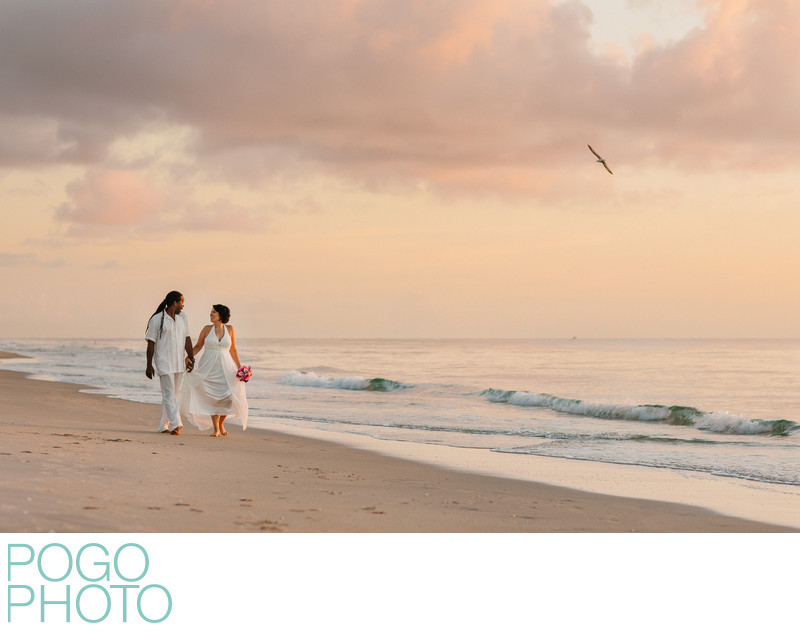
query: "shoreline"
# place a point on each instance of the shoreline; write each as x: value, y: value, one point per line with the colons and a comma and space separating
x: 776, y: 504
x: 81, y: 462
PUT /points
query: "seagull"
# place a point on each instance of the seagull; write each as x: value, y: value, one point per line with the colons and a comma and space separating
x: 600, y: 160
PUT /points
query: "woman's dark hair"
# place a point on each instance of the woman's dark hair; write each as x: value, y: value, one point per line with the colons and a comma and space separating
x: 170, y: 299
x: 224, y: 313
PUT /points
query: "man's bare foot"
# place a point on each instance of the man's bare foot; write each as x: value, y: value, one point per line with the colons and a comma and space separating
x: 176, y: 431
x: 163, y: 431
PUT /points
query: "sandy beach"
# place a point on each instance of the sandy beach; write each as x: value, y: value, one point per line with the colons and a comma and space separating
x: 78, y: 462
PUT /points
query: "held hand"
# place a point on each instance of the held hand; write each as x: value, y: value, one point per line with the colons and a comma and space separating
x: 189, y: 364
x: 149, y: 372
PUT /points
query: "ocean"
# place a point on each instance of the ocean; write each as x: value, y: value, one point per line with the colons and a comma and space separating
x: 722, y: 407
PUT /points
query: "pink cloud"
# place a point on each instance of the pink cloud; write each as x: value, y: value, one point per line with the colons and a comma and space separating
x: 110, y: 198
x: 110, y: 203
x: 726, y: 92
x: 387, y: 91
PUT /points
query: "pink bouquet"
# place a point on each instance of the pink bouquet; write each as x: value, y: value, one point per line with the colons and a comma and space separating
x: 244, y: 374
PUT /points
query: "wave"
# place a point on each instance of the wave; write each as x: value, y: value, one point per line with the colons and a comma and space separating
x: 313, y: 380
x: 717, y: 422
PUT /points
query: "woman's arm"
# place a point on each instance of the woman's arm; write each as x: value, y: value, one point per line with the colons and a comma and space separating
x: 234, y: 352
x: 200, y: 339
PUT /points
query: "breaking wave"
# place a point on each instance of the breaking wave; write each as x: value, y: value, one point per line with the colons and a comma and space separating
x: 717, y: 422
x: 313, y: 380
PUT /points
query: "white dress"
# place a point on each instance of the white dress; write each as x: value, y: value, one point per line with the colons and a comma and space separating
x: 212, y: 387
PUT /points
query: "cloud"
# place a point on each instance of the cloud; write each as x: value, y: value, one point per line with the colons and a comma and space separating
x: 725, y: 91
x: 110, y: 198
x: 111, y: 203
x: 22, y: 260
x: 459, y: 94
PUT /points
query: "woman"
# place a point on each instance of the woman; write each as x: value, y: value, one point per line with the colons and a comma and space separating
x: 211, y: 392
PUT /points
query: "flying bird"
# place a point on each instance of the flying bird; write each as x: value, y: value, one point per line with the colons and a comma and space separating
x: 600, y: 160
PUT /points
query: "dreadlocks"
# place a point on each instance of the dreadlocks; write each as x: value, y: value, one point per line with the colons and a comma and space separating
x: 171, y: 298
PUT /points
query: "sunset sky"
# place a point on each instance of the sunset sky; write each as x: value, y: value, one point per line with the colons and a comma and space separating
x: 402, y: 168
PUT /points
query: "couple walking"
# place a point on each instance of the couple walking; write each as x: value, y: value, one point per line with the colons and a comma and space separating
x: 206, y: 394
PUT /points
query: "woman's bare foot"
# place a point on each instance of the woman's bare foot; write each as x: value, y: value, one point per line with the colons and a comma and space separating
x: 215, y: 435
x: 222, y: 430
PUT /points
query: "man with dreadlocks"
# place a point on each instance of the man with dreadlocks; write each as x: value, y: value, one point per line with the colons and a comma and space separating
x: 167, y: 338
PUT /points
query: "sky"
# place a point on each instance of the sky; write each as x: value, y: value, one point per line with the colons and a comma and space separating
x: 401, y: 168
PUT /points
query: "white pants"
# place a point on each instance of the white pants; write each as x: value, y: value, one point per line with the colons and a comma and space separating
x: 170, y: 414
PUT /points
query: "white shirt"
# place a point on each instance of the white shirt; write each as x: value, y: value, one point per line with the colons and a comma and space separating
x: 170, y: 344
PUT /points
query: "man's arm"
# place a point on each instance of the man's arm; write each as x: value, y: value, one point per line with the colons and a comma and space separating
x: 151, y: 347
x: 189, y: 353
